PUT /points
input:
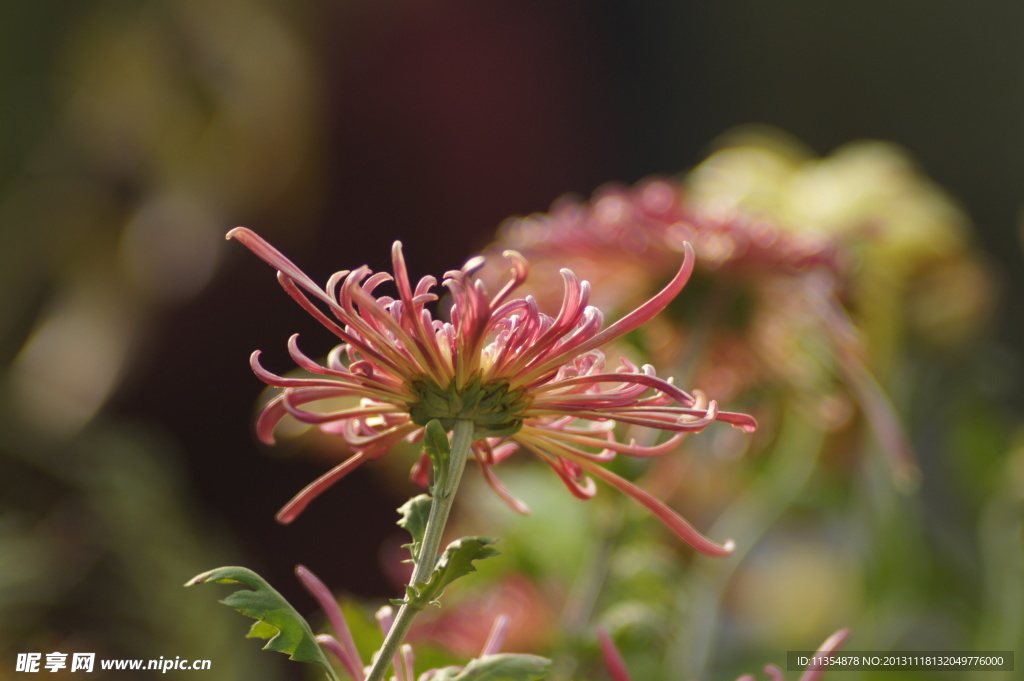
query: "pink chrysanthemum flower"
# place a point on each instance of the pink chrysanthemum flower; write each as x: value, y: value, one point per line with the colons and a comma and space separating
x: 527, y: 380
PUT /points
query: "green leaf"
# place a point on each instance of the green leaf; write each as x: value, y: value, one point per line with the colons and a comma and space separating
x: 456, y: 561
x: 415, y: 514
x: 505, y: 667
x: 262, y: 630
x: 435, y: 443
x: 278, y: 622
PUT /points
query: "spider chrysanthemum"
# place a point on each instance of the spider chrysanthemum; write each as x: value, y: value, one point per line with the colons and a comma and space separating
x: 527, y: 380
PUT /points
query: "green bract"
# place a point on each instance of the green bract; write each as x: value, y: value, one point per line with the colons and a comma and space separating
x: 494, y: 410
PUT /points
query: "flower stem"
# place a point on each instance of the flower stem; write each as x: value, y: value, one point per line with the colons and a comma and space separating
x: 440, y: 505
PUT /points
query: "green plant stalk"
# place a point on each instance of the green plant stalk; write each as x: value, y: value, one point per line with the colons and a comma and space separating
x: 440, y: 506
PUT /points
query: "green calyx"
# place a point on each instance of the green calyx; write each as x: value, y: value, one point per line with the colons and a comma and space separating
x: 494, y: 410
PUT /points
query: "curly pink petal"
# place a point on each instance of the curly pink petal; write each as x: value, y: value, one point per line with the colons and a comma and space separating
x: 485, y: 459
x: 666, y: 515
x: 637, y: 317
x: 273, y: 257
x: 828, y: 648
x: 300, y: 501
x: 496, y: 636
x: 346, y: 650
x: 612, y: 658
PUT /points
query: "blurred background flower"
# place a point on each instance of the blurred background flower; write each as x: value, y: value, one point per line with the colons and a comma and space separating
x: 136, y: 134
x: 807, y: 318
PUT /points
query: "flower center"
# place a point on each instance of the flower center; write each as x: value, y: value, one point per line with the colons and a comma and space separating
x: 495, y: 410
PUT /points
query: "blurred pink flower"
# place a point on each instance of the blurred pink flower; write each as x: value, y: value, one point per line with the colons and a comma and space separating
x: 753, y: 273
x: 526, y: 379
x: 652, y: 220
x: 772, y: 314
x: 530, y: 613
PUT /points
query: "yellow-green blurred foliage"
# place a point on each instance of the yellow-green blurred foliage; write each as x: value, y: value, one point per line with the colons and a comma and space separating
x: 166, y: 121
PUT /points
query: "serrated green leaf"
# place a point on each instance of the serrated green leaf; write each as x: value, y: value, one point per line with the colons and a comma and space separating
x: 456, y: 561
x: 278, y: 622
x: 415, y: 514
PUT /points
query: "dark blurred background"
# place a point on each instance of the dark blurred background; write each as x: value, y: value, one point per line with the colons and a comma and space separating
x: 135, y: 134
